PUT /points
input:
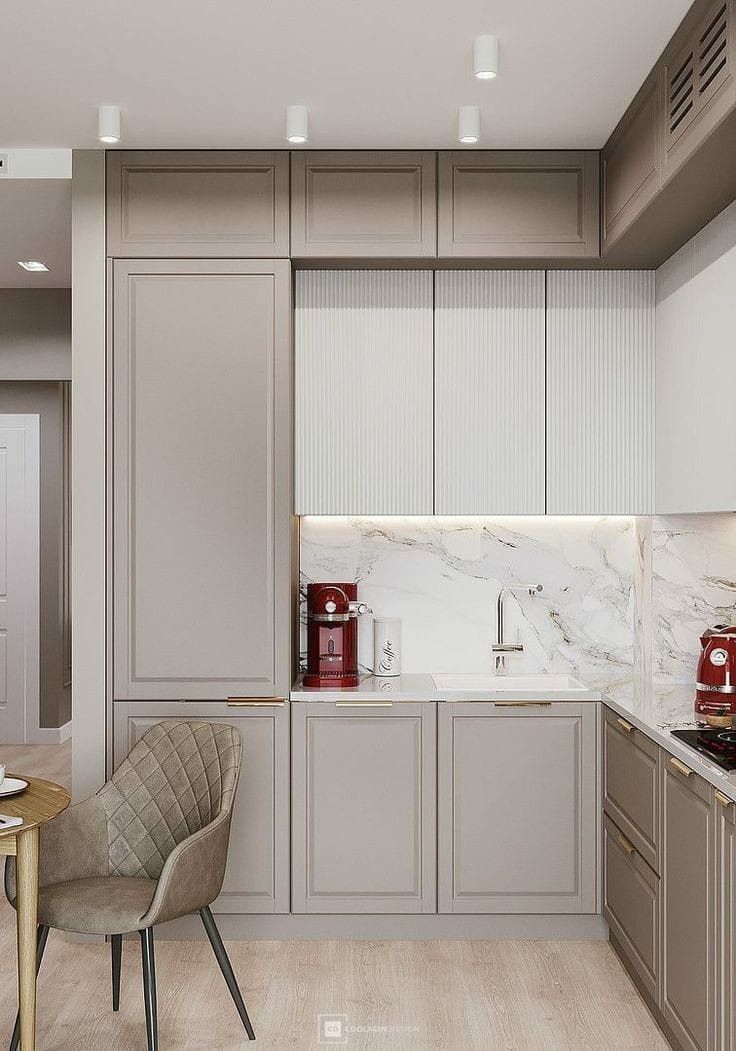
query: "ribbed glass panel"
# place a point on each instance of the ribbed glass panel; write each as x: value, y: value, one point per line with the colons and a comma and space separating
x: 489, y: 392
x: 600, y: 390
x: 363, y: 344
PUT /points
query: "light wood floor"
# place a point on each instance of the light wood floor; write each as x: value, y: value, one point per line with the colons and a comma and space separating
x: 459, y: 996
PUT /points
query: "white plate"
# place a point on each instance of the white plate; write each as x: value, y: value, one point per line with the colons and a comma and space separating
x: 11, y: 786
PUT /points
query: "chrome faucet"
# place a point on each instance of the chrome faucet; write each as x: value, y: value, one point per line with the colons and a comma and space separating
x: 501, y: 648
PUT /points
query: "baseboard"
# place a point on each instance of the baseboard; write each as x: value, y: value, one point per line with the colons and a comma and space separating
x: 50, y: 734
x: 645, y: 995
x: 393, y: 928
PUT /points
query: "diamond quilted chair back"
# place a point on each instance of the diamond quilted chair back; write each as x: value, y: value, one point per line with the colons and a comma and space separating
x: 178, y: 778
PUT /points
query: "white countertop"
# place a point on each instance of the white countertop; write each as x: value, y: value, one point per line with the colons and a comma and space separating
x: 422, y: 687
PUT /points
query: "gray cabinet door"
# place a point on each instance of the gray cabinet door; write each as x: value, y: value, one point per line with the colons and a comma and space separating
x: 631, y: 781
x: 489, y: 392
x: 518, y: 204
x: 359, y: 204
x: 689, y: 906
x: 726, y: 920
x: 257, y: 873
x: 517, y: 808
x: 202, y: 530
x: 363, y: 807
x: 178, y: 203
x: 364, y: 385
x: 600, y: 392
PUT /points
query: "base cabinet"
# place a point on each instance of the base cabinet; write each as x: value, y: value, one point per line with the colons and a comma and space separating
x: 726, y: 922
x: 257, y: 874
x: 517, y: 808
x: 363, y: 807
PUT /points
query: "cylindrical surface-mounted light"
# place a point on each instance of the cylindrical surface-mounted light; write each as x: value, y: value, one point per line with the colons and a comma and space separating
x: 468, y: 124
x: 297, y: 124
x: 108, y: 124
x: 485, y: 57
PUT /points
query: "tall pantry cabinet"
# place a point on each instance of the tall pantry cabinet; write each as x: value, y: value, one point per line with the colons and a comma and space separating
x: 200, y: 493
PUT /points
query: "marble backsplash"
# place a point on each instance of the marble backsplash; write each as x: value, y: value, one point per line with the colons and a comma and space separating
x: 623, y: 604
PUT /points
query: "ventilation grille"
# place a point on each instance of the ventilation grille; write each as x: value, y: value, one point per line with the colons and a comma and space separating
x: 700, y: 69
x: 681, y: 98
x: 712, y: 52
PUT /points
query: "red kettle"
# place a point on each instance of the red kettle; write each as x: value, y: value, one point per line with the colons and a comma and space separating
x: 715, y: 699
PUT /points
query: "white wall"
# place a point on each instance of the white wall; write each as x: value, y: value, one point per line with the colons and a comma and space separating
x: 35, y: 334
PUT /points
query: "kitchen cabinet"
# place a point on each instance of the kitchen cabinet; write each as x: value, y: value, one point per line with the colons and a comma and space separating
x: 726, y: 884
x: 176, y: 203
x: 201, y: 403
x: 631, y: 781
x: 363, y: 807
x: 489, y: 387
x: 517, y: 807
x: 364, y: 390
x: 361, y: 204
x: 689, y: 899
x: 631, y: 161
x: 600, y: 392
x: 495, y: 204
x: 631, y: 903
x: 257, y: 873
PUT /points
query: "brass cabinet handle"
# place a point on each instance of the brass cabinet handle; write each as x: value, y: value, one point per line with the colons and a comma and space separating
x: 684, y: 770
x: 522, y: 704
x: 723, y: 800
x: 256, y: 702
x: 626, y: 844
x: 624, y: 725
x: 364, y: 704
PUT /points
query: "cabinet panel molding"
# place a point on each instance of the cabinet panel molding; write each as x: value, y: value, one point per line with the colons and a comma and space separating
x: 364, y: 381
x: 198, y: 203
x: 257, y: 873
x: 361, y: 204
x: 631, y: 785
x: 525, y: 204
x: 600, y: 392
x: 489, y: 391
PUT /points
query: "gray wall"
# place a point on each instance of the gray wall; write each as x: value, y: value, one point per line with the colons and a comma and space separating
x: 47, y: 399
x: 35, y: 334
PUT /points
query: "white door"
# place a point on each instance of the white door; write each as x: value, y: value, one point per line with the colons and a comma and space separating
x: 19, y: 576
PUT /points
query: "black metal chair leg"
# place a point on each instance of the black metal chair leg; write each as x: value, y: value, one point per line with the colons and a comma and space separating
x: 149, y: 987
x: 116, y: 951
x: 226, y: 967
x: 41, y: 939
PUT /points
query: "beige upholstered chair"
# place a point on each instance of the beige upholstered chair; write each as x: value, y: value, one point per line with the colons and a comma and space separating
x: 150, y: 846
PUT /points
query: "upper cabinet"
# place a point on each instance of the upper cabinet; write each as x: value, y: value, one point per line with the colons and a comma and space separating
x: 197, y: 203
x: 489, y: 392
x: 360, y: 204
x: 524, y: 204
x: 600, y: 392
x: 201, y: 500
x: 364, y: 381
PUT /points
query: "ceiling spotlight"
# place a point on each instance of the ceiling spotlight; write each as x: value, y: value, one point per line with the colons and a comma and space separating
x: 485, y: 57
x: 33, y: 266
x: 108, y: 124
x: 468, y: 124
x: 297, y: 124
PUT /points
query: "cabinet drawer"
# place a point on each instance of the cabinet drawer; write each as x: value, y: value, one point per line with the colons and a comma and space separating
x: 631, y: 903
x: 631, y: 784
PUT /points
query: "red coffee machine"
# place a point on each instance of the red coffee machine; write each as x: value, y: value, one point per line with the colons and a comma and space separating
x: 332, y: 635
x: 715, y: 700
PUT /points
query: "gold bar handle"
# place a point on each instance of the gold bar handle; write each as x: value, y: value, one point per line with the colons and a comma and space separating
x: 723, y: 800
x: 522, y: 704
x: 364, y: 704
x: 624, y: 725
x: 256, y: 702
x: 626, y: 844
x: 684, y: 770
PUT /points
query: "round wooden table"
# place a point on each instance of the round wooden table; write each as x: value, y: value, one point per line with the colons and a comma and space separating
x: 41, y: 801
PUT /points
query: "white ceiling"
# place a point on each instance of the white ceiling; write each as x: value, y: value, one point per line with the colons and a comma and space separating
x: 35, y: 223
x: 374, y: 73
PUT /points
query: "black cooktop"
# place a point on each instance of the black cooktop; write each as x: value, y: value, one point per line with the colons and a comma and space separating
x: 718, y: 745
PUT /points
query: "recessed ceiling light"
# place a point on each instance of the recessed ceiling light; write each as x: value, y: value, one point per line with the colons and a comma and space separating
x: 297, y: 124
x: 33, y: 266
x: 468, y: 124
x: 485, y: 57
x: 108, y: 124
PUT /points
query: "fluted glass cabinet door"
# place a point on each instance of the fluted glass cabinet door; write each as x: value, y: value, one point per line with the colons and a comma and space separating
x: 489, y: 392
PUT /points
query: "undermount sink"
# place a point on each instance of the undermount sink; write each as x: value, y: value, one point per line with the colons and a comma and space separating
x: 531, y: 687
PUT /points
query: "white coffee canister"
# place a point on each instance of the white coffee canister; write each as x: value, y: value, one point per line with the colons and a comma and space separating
x: 386, y: 646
